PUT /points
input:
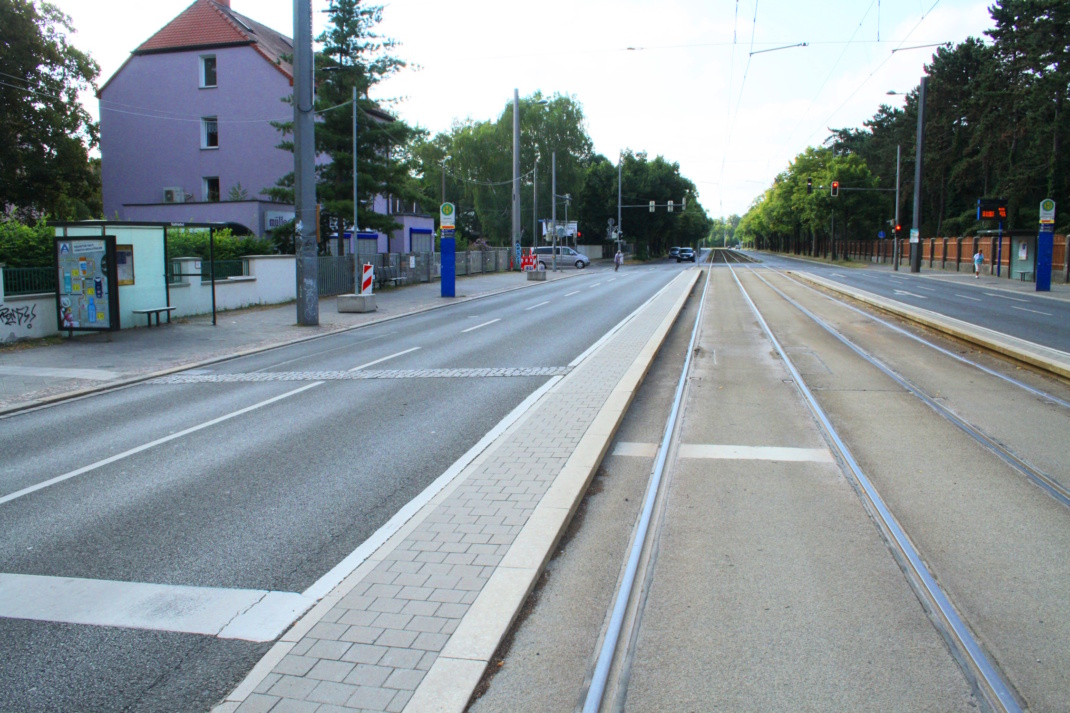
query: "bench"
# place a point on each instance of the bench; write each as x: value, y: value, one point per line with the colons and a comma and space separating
x: 1025, y: 275
x: 155, y: 311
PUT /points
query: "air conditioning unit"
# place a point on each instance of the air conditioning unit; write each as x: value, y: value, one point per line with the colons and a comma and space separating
x: 174, y: 195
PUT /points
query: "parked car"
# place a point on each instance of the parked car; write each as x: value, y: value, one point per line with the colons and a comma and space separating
x: 685, y: 254
x: 673, y: 252
x: 565, y: 256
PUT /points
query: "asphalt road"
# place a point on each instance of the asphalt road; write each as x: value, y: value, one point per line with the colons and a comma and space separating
x: 1028, y: 316
x: 260, y: 480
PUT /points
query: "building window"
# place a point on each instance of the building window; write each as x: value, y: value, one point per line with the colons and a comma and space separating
x: 208, y: 71
x: 209, y: 133
x: 211, y: 189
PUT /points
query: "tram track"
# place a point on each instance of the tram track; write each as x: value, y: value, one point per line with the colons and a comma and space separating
x: 986, y: 677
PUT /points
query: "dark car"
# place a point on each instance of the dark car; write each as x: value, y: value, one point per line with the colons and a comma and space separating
x: 685, y: 254
x: 674, y: 252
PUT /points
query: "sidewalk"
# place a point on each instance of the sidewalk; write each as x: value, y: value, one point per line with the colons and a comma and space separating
x: 415, y: 624
x: 40, y: 371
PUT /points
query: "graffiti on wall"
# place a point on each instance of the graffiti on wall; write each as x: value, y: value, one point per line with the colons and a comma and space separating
x: 18, y: 316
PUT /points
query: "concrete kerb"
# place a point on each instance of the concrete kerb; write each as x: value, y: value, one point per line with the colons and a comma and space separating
x: 123, y: 383
x: 1050, y: 360
x: 457, y: 671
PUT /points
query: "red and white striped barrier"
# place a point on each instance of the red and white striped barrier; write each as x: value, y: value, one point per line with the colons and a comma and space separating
x: 367, y: 280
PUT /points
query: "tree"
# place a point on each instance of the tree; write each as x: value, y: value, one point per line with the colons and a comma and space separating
x: 45, y: 133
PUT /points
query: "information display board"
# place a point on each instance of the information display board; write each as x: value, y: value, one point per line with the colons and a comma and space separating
x: 87, y: 291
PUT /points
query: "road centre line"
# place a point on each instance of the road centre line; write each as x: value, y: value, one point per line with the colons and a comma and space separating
x: 572, y: 293
x: 594, y: 285
x: 152, y: 444
x: 1005, y: 297
x: 380, y: 361
x: 1025, y: 309
x: 478, y: 326
x: 927, y: 289
x: 165, y: 439
x: 528, y: 309
x: 967, y: 297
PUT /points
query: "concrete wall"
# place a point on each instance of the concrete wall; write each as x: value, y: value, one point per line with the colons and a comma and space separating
x: 272, y: 279
x: 26, y: 316
x: 150, y: 126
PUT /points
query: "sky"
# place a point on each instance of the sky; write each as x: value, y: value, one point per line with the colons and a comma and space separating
x: 684, y: 79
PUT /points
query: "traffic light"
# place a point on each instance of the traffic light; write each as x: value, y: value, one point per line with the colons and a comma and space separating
x: 579, y: 234
x: 835, y: 188
x: 651, y: 206
x: 670, y: 206
x: 809, y: 186
x: 898, y: 230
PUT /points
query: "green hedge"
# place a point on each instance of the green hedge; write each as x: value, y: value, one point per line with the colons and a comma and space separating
x: 25, y: 245
x: 187, y: 242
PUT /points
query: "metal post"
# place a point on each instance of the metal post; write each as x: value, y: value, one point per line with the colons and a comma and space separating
x: 355, y: 242
x: 553, y: 209
x: 895, y: 234
x: 516, y: 169
x: 305, y: 167
x: 915, y: 248
x: 620, y: 162
x: 535, y: 206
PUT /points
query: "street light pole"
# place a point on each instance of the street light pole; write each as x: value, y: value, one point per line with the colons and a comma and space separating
x: 535, y: 206
x: 443, y: 163
x: 516, y: 168
x: 620, y: 162
x: 915, y: 248
x: 895, y: 228
x: 355, y: 242
x: 553, y: 208
x: 305, y: 167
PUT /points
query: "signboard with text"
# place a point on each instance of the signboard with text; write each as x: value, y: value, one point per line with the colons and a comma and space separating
x: 447, y: 216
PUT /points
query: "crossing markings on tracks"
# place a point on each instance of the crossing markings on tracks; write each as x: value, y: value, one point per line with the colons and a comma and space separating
x: 723, y: 452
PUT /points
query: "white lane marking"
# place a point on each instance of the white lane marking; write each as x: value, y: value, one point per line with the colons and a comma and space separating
x: 835, y: 274
x: 927, y: 289
x: 249, y: 614
x: 640, y: 450
x: 611, y: 279
x: 1005, y: 297
x: 572, y: 293
x: 528, y: 309
x: 903, y: 279
x: 594, y: 285
x: 967, y: 297
x: 152, y: 444
x: 801, y: 455
x: 478, y: 326
x: 57, y: 373
x: 380, y: 361
x: 323, y: 586
x: 904, y: 292
x: 1034, y: 311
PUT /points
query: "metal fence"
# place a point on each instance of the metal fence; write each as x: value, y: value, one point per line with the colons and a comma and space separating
x: 28, y: 280
x: 395, y: 269
x: 223, y: 269
x: 335, y: 274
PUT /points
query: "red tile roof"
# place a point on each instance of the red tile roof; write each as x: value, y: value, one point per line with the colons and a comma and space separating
x: 207, y: 23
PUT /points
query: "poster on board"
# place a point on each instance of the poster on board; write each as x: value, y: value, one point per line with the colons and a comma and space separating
x: 87, y: 293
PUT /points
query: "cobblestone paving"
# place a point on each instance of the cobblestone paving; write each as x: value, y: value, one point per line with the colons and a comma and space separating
x: 373, y: 648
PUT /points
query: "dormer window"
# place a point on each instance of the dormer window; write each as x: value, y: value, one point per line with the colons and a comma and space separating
x: 208, y: 78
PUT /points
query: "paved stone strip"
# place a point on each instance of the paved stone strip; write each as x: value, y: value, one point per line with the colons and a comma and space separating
x: 362, y: 374
x: 369, y: 644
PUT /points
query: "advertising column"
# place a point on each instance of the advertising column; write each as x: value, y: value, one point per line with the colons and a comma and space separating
x: 87, y: 292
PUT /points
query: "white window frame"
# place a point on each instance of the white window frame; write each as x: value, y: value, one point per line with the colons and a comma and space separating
x: 204, y: 79
x: 205, y: 121
x: 206, y: 191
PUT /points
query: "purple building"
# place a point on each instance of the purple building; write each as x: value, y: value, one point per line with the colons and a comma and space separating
x: 186, y: 134
x: 186, y: 121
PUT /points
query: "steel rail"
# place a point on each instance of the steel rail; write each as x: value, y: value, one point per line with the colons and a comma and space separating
x: 1046, y: 482
x: 981, y: 671
x: 596, y: 691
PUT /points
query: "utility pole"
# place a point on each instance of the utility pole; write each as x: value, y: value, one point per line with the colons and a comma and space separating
x: 915, y: 247
x: 895, y: 228
x: 553, y: 204
x: 356, y: 203
x: 535, y: 206
x: 620, y: 162
x: 305, y: 167
x: 516, y: 168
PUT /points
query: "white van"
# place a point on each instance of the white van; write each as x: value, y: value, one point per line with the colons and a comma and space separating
x: 566, y: 256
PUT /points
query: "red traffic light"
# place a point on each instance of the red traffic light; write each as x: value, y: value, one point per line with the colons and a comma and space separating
x: 835, y: 188
x: 898, y: 229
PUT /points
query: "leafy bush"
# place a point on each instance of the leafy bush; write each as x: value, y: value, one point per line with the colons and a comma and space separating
x: 187, y: 242
x: 25, y: 245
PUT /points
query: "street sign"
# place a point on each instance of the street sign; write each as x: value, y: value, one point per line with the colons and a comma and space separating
x: 880, y: 234
x: 448, y: 233
x: 914, y: 235
x: 1047, y: 212
x: 991, y: 209
x: 447, y: 216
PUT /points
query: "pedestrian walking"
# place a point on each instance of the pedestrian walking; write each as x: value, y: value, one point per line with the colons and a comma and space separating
x: 978, y: 260
x: 618, y: 260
